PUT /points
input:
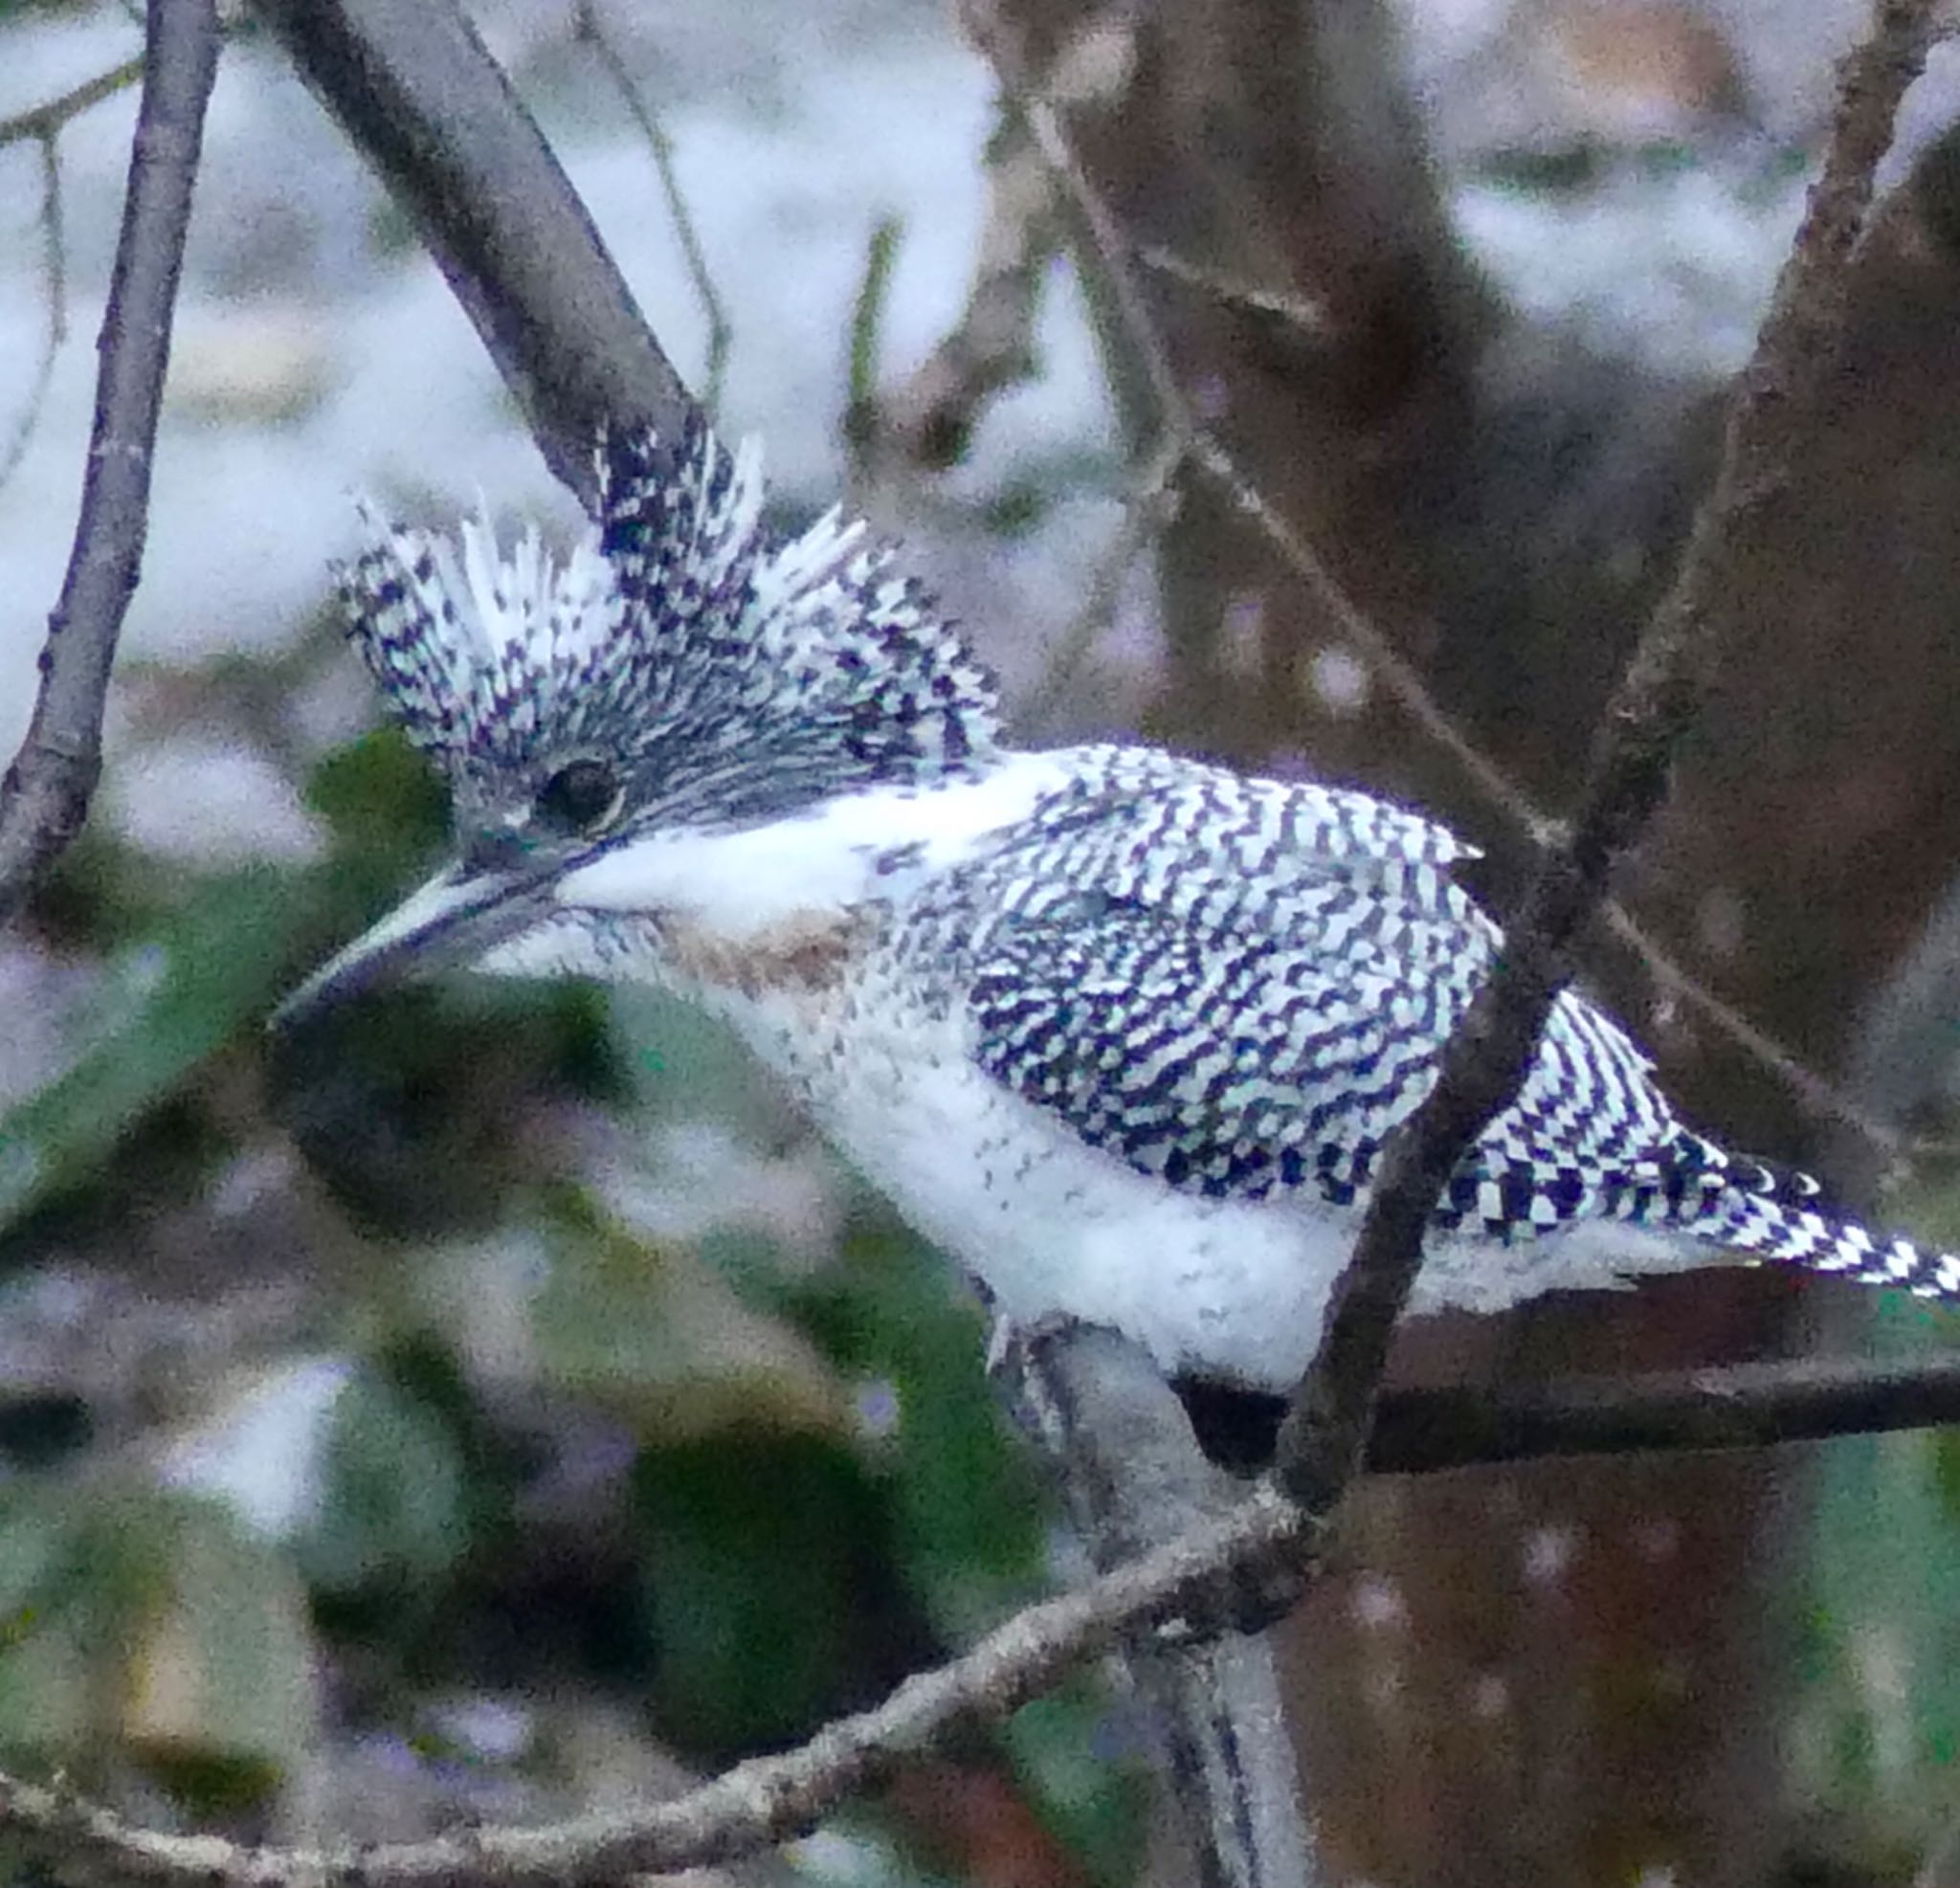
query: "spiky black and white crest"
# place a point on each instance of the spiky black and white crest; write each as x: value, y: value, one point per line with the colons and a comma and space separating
x: 716, y: 665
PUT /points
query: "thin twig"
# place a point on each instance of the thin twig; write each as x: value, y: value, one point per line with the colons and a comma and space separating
x: 1191, y: 440
x: 1822, y: 1096
x: 1112, y: 246
x: 1485, y: 1064
x: 929, y: 418
x: 585, y: 25
x: 1304, y: 316
x: 44, y: 794
x: 1183, y: 437
x: 764, y: 1800
x: 1743, y: 1406
x: 868, y: 308
x: 1359, y: 628
x: 45, y: 121
x: 55, y: 331
x: 1145, y: 510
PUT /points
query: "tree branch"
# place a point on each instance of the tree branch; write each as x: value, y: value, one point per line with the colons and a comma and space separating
x: 764, y: 1800
x: 47, y: 121
x: 1324, y: 1436
x: 430, y: 109
x: 44, y: 794
x: 1134, y: 1478
x: 1738, y: 1406
x: 1182, y: 441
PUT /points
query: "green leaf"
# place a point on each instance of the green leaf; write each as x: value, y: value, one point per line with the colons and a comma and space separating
x: 969, y: 1511
x: 643, y: 1327
x: 393, y: 1511
x: 1098, y: 1809
x: 382, y: 801
x: 150, y: 1622
x: 1877, y: 1714
x: 210, y: 970
x: 764, y: 1561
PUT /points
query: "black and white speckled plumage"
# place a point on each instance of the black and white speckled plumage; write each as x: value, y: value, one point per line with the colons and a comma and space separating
x: 1241, y: 986
x: 1124, y: 1032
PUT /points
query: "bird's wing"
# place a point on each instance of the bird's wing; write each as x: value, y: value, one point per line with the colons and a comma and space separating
x: 1243, y: 986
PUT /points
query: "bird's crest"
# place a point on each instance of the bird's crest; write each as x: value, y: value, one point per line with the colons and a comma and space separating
x: 679, y: 636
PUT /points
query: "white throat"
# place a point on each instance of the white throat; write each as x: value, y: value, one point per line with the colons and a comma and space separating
x: 877, y: 843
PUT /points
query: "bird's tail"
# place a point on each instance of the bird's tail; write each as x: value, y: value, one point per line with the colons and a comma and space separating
x: 1778, y: 1216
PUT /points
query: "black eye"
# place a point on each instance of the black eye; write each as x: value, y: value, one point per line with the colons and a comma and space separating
x: 581, y: 796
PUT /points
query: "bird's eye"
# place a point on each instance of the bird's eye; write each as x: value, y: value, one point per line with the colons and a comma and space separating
x: 579, y: 797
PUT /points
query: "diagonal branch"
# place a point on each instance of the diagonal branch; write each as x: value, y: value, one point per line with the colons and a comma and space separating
x: 1777, y: 397
x: 763, y: 1800
x: 1183, y: 441
x: 431, y: 110
x: 44, y: 794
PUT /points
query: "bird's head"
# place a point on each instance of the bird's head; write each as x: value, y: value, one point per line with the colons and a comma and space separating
x: 683, y: 670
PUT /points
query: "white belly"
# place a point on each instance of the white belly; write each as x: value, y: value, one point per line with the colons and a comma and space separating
x: 1050, y: 1225
x: 1234, y: 1289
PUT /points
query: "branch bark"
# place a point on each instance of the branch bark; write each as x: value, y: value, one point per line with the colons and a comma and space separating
x: 45, y: 795
x: 1738, y: 1406
x: 431, y: 110
x: 1135, y: 1479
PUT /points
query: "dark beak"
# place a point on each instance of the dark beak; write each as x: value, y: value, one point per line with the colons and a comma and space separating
x: 454, y: 917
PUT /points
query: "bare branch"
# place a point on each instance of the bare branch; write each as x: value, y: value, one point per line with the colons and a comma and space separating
x: 417, y: 94
x: 44, y: 122
x: 1134, y: 1478
x: 44, y: 794
x: 1485, y: 1064
x: 769, y: 1799
x: 1306, y: 318
x: 54, y: 288
x: 764, y: 1800
x: 1149, y: 502
x: 585, y: 26
x: 1739, y: 1405
x: 928, y: 420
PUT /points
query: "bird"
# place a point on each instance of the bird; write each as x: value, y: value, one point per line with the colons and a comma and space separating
x: 1122, y: 1033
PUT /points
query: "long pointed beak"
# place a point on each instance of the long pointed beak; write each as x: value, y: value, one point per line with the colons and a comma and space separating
x: 452, y: 919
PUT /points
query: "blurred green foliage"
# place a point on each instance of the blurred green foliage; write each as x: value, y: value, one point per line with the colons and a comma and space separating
x: 1876, y: 1725
x: 150, y: 1623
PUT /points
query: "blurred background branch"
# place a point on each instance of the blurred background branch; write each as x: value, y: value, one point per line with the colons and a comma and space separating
x: 44, y: 794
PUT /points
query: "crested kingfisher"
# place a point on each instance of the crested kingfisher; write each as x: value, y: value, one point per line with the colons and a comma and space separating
x: 1122, y: 1033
